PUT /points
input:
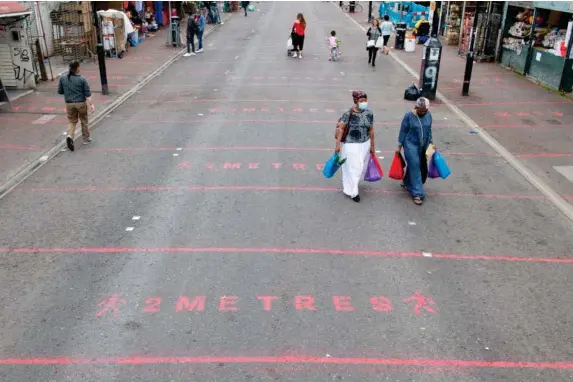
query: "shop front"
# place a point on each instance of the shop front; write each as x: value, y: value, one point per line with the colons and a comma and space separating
x: 16, y: 58
x: 489, y: 19
x: 538, y: 42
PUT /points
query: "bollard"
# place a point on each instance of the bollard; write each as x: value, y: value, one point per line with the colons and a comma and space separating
x: 400, y: 36
x: 352, y: 7
x: 430, y: 68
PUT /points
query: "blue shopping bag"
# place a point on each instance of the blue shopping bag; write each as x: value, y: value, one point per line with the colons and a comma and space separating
x: 332, y: 165
x: 441, y: 165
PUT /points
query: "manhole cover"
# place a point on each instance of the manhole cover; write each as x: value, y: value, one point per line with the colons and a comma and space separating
x: 554, y: 122
x: 528, y: 122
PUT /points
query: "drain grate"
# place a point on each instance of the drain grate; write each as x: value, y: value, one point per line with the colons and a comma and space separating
x: 554, y: 121
x: 528, y: 121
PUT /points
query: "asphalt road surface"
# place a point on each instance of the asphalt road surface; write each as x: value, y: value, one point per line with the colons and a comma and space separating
x: 196, y: 238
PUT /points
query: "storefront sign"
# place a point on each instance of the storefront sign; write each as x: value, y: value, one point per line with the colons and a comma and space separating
x: 562, y: 6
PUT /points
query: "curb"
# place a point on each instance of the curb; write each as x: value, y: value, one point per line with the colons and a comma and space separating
x: 557, y: 200
x: 24, y: 171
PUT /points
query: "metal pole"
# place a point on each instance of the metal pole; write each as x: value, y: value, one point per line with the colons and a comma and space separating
x: 470, y: 56
x: 369, y: 11
x: 463, y: 17
x: 435, y: 22
x: 100, y: 52
x: 170, y: 26
x: 441, y: 4
x: 44, y: 38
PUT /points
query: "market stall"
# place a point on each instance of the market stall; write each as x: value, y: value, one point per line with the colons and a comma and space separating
x: 551, y: 42
x: 516, y: 36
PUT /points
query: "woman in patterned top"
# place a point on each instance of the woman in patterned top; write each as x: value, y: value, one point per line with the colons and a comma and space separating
x: 355, y: 141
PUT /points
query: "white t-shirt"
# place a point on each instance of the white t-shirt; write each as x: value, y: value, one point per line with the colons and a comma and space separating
x: 387, y: 28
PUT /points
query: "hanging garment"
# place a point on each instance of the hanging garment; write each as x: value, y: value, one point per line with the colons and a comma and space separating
x: 158, y: 8
x: 354, y: 169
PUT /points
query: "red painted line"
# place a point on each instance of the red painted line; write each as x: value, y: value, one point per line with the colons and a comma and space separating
x: 299, y: 251
x: 522, y: 126
x: 19, y: 147
x: 262, y: 148
x: 264, y: 188
x: 554, y: 155
x: 141, y: 360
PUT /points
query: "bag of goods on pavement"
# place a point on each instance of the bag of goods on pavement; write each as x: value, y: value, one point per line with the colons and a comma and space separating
x: 332, y: 165
x: 432, y: 169
x: 412, y: 93
x: 289, y: 44
x: 374, y: 170
x: 441, y: 165
x: 397, y: 167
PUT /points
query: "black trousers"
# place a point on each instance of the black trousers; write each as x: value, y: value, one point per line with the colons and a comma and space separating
x: 191, y: 43
x: 372, y: 53
x: 386, y: 38
x: 297, y: 42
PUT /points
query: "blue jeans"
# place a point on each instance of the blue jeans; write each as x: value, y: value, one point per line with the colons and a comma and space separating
x: 200, y: 40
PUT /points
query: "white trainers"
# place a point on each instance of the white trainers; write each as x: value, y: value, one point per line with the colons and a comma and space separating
x: 294, y: 55
x: 200, y: 50
x: 189, y: 54
x: 300, y: 55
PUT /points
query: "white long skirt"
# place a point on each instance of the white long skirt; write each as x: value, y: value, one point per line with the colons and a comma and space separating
x: 357, y: 155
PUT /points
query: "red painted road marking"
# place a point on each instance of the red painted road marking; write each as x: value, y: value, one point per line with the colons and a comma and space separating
x: 287, y: 148
x: 458, y: 363
x: 19, y: 147
x: 418, y: 304
x: 299, y: 251
x: 265, y: 188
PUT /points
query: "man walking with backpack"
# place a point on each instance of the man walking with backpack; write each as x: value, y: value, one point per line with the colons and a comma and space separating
x: 191, y: 32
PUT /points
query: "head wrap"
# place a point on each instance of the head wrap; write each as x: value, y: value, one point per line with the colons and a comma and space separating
x: 423, y: 103
x: 357, y: 94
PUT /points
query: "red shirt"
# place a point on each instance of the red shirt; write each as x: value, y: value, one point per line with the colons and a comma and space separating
x: 298, y: 28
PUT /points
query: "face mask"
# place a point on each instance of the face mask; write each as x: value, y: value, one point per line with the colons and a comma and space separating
x: 363, y: 105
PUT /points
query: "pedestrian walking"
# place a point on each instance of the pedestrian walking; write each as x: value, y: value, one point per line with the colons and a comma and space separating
x: 200, y: 29
x: 191, y: 32
x: 415, y: 137
x: 245, y: 6
x: 297, y: 35
x: 355, y: 141
x: 78, y: 97
x: 387, y: 29
x: 373, y: 33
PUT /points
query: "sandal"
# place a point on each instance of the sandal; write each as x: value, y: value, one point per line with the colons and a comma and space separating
x: 417, y: 201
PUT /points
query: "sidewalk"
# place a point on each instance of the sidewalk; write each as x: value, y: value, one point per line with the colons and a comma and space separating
x: 36, y: 125
x: 534, y: 124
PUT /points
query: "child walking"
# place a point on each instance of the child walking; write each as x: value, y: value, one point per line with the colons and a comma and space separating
x: 334, y: 45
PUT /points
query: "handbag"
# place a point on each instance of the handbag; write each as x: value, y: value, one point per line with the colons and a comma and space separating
x: 441, y: 165
x: 374, y: 170
x: 432, y: 169
x: 332, y: 165
x: 370, y: 43
x: 289, y: 43
x: 379, y: 42
x: 397, y: 167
